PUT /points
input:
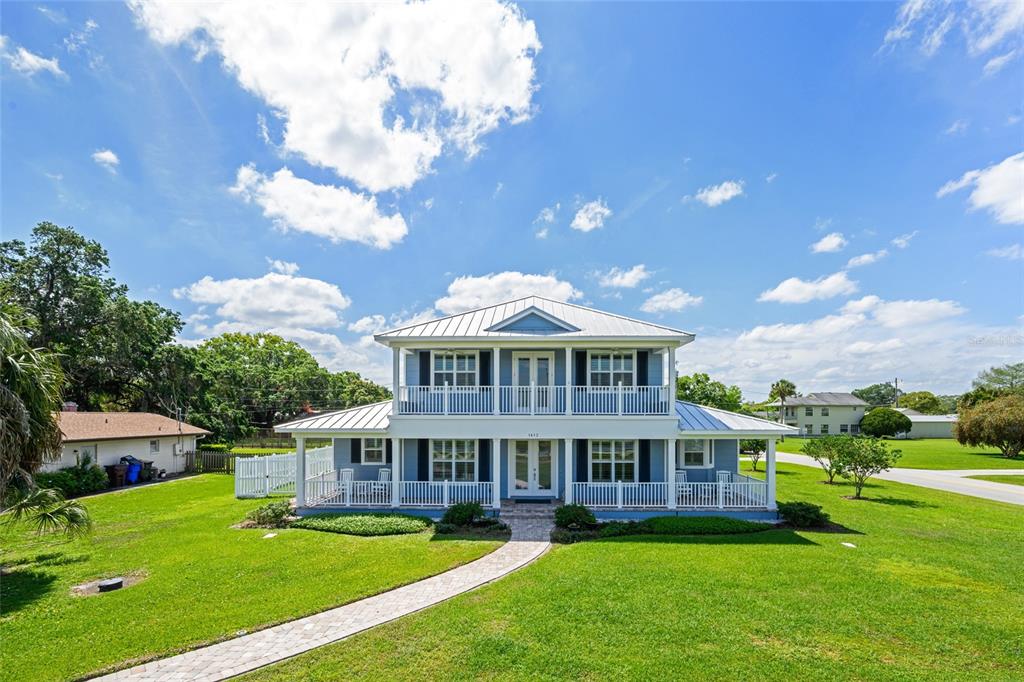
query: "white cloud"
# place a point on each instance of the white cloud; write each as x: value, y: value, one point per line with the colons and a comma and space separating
x: 548, y: 214
x: 715, y: 195
x: 76, y: 40
x: 830, y: 243
x: 56, y: 16
x: 374, y: 92
x: 428, y: 203
x: 591, y: 215
x: 985, y: 24
x: 28, y: 63
x: 672, y: 300
x: 283, y: 266
x: 107, y: 159
x: 997, y: 188
x: 770, y: 178
x: 468, y: 292
x: 896, y: 314
x: 996, y: 64
x: 957, y: 127
x: 868, y: 347
x: 335, y: 213
x: 497, y: 190
x: 867, y: 258
x: 796, y: 290
x: 626, y: 279
x: 903, y: 241
x: 822, y: 328
x: 1011, y: 252
x: 369, y: 324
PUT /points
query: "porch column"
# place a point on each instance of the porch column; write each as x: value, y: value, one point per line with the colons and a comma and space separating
x: 495, y: 379
x: 670, y: 471
x: 396, y: 363
x: 396, y: 472
x: 496, y: 473
x: 568, y: 385
x: 300, y: 471
x: 672, y: 379
x: 770, y: 473
x: 568, y: 470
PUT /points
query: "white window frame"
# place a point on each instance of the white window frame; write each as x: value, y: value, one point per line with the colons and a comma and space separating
x: 383, y: 449
x: 452, y: 441
x: 808, y: 429
x: 615, y: 460
x: 707, y: 457
x: 844, y: 428
x: 533, y: 355
x: 455, y: 353
x: 81, y: 453
x: 154, y: 450
x: 808, y: 411
x: 824, y: 412
x: 611, y: 371
x: 823, y: 429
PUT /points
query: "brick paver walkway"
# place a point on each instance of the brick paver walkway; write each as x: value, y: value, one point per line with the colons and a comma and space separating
x: 530, y: 539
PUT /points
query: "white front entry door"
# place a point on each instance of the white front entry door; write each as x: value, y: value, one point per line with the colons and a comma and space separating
x: 532, y: 467
x: 533, y: 375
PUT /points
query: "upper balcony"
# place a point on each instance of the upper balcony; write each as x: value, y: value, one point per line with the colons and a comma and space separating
x: 534, y: 400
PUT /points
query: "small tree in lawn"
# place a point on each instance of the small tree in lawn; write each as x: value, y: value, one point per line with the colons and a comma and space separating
x: 756, y: 450
x: 865, y: 458
x: 827, y: 452
x: 998, y: 424
x: 885, y: 421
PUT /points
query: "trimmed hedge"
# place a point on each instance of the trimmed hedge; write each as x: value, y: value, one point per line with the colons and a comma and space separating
x: 272, y: 515
x: 365, y: 525
x: 463, y: 514
x: 574, y: 516
x: 803, y: 514
x: 660, y: 525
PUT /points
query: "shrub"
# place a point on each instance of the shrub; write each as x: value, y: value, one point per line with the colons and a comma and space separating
x: 81, y: 479
x: 827, y: 452
x: 885, y: 421
x: 659, y: 525
x: 463, y: 514
x: 273, y: 515
x: 803, y: 514
x: 867, y: 457
x: 998, y: 423
x: 445, y: 528
x: 574, y: 516
x: 365, y: 525
x: 216, y: 447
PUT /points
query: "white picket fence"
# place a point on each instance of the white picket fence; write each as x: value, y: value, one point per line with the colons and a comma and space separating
x: 275, y: 474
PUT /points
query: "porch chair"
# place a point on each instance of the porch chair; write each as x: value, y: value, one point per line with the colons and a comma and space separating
x: 724, y: 479
x: 383, y: 482
x: 686, y: 499
x: 345, y: 484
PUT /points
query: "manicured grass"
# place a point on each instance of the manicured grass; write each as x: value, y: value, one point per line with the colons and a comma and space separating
x: 365, y: 524
x: 931, y: 453
x: 1006, y: 478
x: 203, y: 579
x: 932, y: 589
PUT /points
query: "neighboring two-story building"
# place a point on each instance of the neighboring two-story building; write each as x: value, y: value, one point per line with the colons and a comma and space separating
x: 823, y: 414
x: 536, y: 400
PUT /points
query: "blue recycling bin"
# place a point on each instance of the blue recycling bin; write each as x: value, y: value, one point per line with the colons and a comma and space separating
x: 133, y: 472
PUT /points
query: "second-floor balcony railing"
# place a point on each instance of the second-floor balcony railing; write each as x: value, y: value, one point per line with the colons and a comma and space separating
x: 534, y: 400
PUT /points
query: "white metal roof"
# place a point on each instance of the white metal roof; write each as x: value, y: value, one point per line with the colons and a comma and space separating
x: 700, y: 418
x: 582, y: 322
x: 366, y: 418
x: 824, y: 398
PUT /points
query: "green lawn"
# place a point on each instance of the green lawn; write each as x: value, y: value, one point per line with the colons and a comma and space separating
x: 204, y: 580
x: 933, y: 589
x: 1006, y: 478
x: 933, y: 453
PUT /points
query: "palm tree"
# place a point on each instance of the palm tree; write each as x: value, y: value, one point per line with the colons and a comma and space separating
x: 782, y: 389
x: 31, y: 384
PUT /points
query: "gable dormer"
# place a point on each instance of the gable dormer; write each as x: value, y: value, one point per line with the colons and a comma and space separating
x: 533, y: 320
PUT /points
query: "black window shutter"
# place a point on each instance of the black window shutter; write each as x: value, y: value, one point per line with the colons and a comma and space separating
x: 641, y: 367
x: 423, y: 460
x: 581, y: 368
x: 357, y: 450
x: 582, y: 455
x: 645, y: 461
x: 483, y: 454
x: 424, y: 368
x: 485, y: 368
x: 387, y: 451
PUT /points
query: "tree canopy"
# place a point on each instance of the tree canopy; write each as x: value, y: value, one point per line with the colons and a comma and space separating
x: 885, y: 421
x: 877, y: 394
x: 1006, y: 378
x: 701, y: 389
x: 924, y: 402
x: 998, y: 423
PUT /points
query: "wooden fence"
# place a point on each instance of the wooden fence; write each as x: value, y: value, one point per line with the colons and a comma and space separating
x: 210, y: 461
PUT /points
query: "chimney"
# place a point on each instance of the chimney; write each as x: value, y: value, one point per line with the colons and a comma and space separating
x: 69, y: 406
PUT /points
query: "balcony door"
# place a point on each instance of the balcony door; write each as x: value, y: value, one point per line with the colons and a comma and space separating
x: 533, y: 376
x: 532, y: 468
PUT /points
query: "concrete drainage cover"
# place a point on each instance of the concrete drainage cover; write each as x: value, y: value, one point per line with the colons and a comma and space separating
x: 106, y: 585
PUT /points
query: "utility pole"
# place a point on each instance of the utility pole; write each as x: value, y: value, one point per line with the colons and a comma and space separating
x: 896, y: 392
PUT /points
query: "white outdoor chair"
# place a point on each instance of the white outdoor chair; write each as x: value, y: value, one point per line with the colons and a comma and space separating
x: 680, y: 475
x: 724, y: 479
x: 383, y: 480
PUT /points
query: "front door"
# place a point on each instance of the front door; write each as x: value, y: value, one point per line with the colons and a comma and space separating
x: 532, y: 467
x: 533, y: 374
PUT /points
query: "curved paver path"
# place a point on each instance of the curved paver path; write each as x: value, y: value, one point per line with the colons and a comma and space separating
x: 530, y: 539
x: 950, y: 480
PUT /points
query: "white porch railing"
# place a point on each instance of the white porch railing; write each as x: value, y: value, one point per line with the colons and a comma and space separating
x: 741, y: 492
x: 533, y: 400
x: 446, y: 400
x: 330, y: 492
x: 275, y: 474
x: 643, y: 400
x: 445, y: 493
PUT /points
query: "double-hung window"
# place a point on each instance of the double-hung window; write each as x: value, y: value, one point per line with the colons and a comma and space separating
x: 824, y: 429
x: 808, y: 411
x: 373, y: 451
x: 453, y: 460
x: 154, y: 447
x: 844, y: 428
x: 694, y: 453
x: 824, y: 412
x: 612, y: 460
x: 611, y: 368
x: 455, y: 368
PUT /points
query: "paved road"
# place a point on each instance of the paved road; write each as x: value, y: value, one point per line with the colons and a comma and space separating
x: 954, y: 480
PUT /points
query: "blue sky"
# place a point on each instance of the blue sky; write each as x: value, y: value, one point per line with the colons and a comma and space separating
x: 330, y: 172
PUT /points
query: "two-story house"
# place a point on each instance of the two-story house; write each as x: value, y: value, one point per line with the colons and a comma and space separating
x: 823, y: 414
x: 536, y: 400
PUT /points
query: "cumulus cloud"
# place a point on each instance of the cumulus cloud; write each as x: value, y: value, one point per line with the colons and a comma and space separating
x: 624, y: 279
x: 1011, y: 252
x: 867, y: 258
x: 335, y: 213
x: 368, y: 324
x: 672, y: 300
x: 468, y: 292
x: 282, y: 266
x: 996, y: 188
x: 374, y: 92
x: 896, y: 314
x: 715, y: 195
x: 28, y: 63
x: 796, y: 290
x: 107, y: 159
x: 830, y: 243
x: 591, y: 215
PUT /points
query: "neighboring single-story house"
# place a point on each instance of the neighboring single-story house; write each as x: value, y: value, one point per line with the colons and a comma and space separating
x: 823, y: 414
x: 928, y: 425
x: 106, y: 437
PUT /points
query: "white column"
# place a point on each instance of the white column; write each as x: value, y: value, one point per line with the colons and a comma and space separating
x: 770, y: 474
x: 396, y: 365
x: 670, y: 471
x: 396, y: 472
x: 495, y: 379
x: 672, y: 373
x: 496, y: 473
x: 568, y: 383
x: 569, y: 461
x: 300, y: 471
